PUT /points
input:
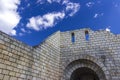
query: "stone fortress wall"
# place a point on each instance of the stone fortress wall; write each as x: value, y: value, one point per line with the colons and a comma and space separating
x: 58, y: 56
x: 22, y: 62
x: 101, y: 51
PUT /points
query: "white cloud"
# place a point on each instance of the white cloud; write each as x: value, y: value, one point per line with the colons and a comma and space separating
x: 57, y: 1
x: 39, y: 2
x: 21, y: 34
x: 65, y: 1
x: 98, y: 15
x: 72, y: 7
x: 45, y: 21
x: 90, y: 4
x: 51, y: 1
x: 108, y: 29
x: 23, y: 30
x: 28, y: 5
x: 13, y: 32
x: 9, y: 16
x: 50, y: 19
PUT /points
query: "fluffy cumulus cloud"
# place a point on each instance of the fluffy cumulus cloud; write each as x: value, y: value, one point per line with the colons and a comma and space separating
x: 9, y: 16
x: 45, y: 21
x: 70, y: 7
x: 50, y: 19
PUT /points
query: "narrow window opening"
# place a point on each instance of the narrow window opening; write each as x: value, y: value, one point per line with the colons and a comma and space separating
x: 73, y: 37
x: 86, y: 36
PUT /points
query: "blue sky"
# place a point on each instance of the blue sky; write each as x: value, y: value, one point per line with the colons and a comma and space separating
x: 32, y: 21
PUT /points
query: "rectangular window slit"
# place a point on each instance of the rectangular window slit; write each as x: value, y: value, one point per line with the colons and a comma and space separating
x: 86, y: 36
x: 73, y: 37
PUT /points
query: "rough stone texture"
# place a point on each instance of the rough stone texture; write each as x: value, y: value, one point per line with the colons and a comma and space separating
x: 58, y: 57
x: 21, y: 62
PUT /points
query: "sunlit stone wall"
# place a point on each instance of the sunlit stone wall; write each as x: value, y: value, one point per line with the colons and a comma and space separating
x: 50, y: 59
x: 19, y: 61
x: 102, y: 48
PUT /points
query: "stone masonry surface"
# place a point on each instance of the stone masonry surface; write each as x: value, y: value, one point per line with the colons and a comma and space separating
x: 58, y: 57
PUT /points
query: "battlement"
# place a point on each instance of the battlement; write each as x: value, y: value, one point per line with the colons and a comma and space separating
x: 79, y: 36
x: 86, y: 35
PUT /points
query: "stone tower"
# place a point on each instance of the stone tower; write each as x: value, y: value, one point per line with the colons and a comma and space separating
x: 71, y: 55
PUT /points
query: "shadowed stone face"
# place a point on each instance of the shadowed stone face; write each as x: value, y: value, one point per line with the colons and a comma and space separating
x: 83, y: 69
x: 84, y: 73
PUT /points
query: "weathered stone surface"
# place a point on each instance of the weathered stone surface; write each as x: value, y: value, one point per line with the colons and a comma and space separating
x: 57, y: 58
